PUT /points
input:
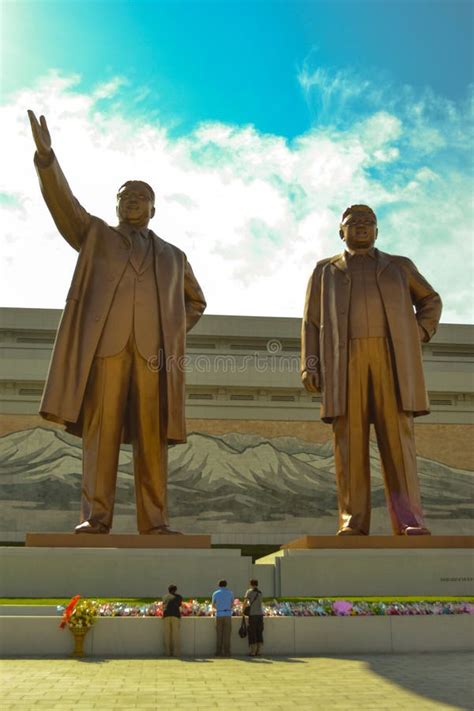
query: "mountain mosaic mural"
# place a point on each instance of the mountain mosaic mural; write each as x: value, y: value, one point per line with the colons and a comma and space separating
x: 217, y: 483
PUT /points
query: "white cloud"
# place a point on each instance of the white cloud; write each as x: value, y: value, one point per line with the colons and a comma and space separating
x: 252, y: 211
x: 332, y: 93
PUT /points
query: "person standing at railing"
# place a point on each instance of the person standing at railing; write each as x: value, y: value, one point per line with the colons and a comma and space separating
x: 172, y: 622
x: 222, y: 604
x: 253, y: 608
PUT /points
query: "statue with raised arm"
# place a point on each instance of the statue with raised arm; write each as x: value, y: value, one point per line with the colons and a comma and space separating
x: 366, y: 315
x: 116, y: 371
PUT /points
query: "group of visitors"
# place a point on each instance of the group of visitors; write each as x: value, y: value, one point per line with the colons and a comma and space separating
x: 222, y: 605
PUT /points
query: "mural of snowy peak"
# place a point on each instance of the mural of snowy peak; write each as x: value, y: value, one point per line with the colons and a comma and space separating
x: 229, y: 482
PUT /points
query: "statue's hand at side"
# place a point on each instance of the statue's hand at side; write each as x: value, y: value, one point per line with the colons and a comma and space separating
x: 41, y: 135
x: 311, y: 381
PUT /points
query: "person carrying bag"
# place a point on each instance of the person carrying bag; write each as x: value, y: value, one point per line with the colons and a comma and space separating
x: 253, y: 609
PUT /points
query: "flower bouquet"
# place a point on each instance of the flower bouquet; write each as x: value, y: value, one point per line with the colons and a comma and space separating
x: 79, y: 616
x: 322, y: 607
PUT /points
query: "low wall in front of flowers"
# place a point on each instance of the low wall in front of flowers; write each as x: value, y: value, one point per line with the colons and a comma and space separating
x: 304, y: 629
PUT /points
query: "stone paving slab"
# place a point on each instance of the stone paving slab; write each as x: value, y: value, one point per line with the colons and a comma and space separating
x: 383, y: 682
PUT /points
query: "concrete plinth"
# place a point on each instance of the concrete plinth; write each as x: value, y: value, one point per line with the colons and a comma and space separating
x: 372, y: 572
x: 386, y: 542
x: 114, y: 540
x: 113, y: 572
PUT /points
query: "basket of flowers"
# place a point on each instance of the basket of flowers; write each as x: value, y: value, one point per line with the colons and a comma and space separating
x: 79, y: 616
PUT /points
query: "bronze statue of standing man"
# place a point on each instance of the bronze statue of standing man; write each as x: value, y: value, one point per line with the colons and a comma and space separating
x: 366, y: 315
x: 116, y: 370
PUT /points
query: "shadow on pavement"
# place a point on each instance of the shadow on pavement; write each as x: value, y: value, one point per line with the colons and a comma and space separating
x: 446, y: 677
x: 264, y: 659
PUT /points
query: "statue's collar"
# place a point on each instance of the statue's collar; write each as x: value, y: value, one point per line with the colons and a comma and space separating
x: 382, y: 258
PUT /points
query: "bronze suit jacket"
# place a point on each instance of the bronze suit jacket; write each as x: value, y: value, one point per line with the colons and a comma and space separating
x: 103, y: 257
x: 412, y: 308
x: 134, y: 310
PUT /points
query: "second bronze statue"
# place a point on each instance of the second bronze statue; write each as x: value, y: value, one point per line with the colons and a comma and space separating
x: 115, y: 373
x: 366, y: 315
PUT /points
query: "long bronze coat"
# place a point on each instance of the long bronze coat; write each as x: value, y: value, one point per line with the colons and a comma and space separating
x: 103, y: 256
x: 412, y: 309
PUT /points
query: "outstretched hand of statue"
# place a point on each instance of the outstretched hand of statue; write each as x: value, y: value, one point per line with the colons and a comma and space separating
x: 41, y: 134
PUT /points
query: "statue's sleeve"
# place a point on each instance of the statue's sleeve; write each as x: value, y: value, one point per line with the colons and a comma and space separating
x: 194, y: 300
x: 426, y: 301
x: 71, y: 219
x: 311, y: 324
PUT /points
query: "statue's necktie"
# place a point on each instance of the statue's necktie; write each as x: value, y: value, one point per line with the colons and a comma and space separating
x: 140, y: 244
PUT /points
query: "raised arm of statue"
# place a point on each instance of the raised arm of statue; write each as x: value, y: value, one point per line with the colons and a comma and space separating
x: 71, y: 219
x: 42, y: 137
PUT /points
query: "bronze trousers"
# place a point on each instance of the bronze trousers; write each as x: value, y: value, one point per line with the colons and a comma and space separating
x: 373, y: 396
x: 117, y: 385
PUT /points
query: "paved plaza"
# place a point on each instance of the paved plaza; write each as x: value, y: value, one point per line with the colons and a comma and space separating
x: 410, y: 682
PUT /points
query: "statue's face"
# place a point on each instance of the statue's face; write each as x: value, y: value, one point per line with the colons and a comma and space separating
x: 135, y: 205
x: 359, y: 230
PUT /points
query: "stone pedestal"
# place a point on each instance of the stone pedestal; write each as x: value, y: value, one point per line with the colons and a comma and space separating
x: 114, y: 540
x: 385, y: 542
x: 367, y: 572
x: 120, y: 572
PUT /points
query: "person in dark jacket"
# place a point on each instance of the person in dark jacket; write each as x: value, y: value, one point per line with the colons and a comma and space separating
x: 172, y: 621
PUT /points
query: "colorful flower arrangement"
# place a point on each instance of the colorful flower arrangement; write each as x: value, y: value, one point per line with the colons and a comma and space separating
x: 89, y: 609
x: 79, y: 615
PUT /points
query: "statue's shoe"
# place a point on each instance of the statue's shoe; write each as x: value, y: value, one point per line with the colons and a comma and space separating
x: 415, y: 531
x: 162, y: 531
x: 346, y: 531
x: 88, y: 527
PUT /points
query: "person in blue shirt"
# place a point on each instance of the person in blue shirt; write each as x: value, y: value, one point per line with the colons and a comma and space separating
x: 222, y: 604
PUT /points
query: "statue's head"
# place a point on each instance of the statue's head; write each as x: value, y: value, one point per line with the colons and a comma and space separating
x: 358, y: 227
x: 135, y: 203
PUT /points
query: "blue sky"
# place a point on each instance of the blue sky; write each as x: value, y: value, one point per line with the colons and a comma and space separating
x: 258, y: 122
x: 238, y: 62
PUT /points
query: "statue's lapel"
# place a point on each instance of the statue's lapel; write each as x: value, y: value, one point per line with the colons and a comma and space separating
x: 383, y: 260
x: 158, y: 243
x: 163, y: 268
x: 340, y: 262
x: 123, y: 232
